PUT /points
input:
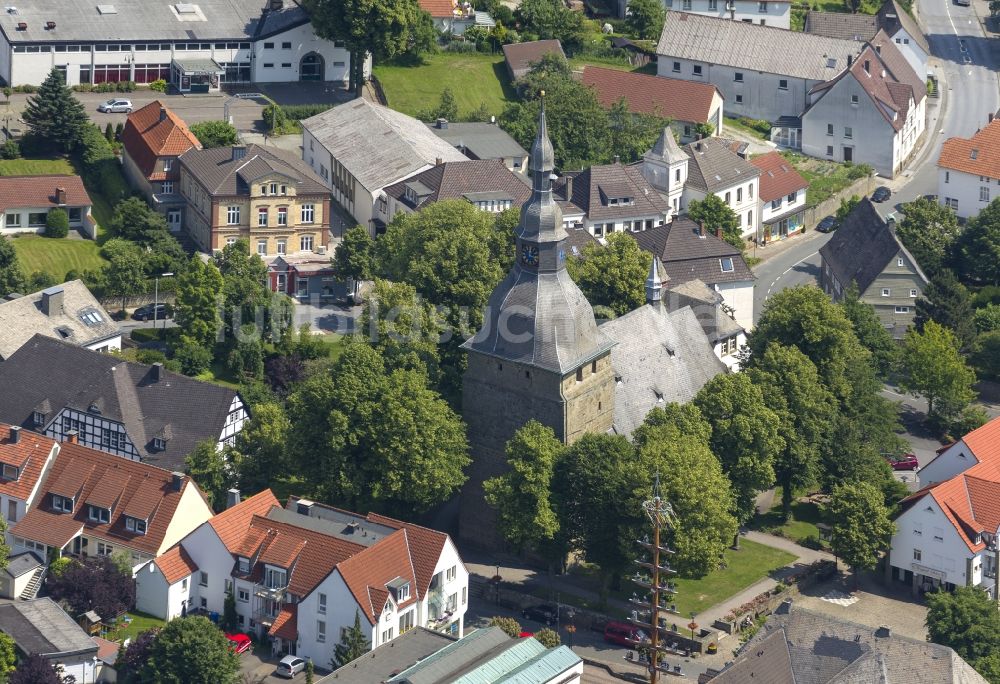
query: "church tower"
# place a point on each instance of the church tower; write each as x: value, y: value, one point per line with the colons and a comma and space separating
x: 665, y: 166
x: 539, y: 354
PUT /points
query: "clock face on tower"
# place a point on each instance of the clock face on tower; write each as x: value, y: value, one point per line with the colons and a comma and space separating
x: 529, y: 255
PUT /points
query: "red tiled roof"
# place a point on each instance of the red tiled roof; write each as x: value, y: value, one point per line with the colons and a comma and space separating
x: 520, y: 56
x: 369, y: 572
x: 148, y: 135
x: 425, y: 547
x: 40, y: 191
x: 285, y: 626
x: 232, y: 524
x: 29, y: 454
x: 670, y: 98
x: 282, y: 550
x: 970, y: 501
x: 978, y: 155
x: 778, y: 177
x: 106, y: 650
x: 438, y: 9
x: 176, y: 564
x: 984, y: 441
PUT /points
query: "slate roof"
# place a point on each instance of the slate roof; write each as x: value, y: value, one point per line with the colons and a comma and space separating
x: 463, y: 179
x: 707, y: 305
x: 154, y: 131
x: 41, y: 627
x: 715, y: 166
x: 804, y: 646
x: 384, y: 662
x: 520, y: 56
x: 596, y: 185
x: 892, y: 17
x: 660, y: 357
x: 28, y: 455
x: 842, y: 25
x: 686, y: 255
x: 64, y: 375
x: 22, y: 564
x: 21, y: 192
x: 666, y: 148
x: 80, y: 320
x: 778, y: 178
x: 862, y: 247
x: 222, y: 175
x: 978, y: 155
x: 377, y: 145
x: 671, y: 98
x: 128, y: 487
x: 479, y: 140
x: 753, y: 47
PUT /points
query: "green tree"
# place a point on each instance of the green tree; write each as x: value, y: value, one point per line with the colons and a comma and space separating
x: 207, y: 467
x: 11, y: 275
x: 860, y: 525
x: 215, y: 133
x: 54, y: 115
x: 197, y: 305
x: 645, y: 18
x: 929, y: 230
x: 846, y: 207
x: 193, y: 356
x: 977, y: 249
x: 633, y: 133
x: 932, y: 367
x: 947, y: 301
x: 246, y: 356
x: 244, y: 288
x: 994, y: 7
x: 56, y: 223
x: 673, y: 441
x: 549, y: 638
x: 446, y: 108
x: 353, y: 644
x: 745, y: 438
x: 109, y: 132
x: 260, y: 454
x: 987, y: 318
x: 966, y: 620
x: 405, y: 328
x: 546, y: 19
x: 521, y: 495
x: 8, y: 656
x: 870, y: 332
x: 352, y: 260
x: 191, y: 649
x: 230, y: 618
x: 613, y: 275
x: 125, y: 273
x: 986, y: 354
x: 509, y: 625
x: 716, y: 215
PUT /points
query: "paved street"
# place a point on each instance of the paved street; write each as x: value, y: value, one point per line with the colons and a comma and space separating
x: 789, y: 263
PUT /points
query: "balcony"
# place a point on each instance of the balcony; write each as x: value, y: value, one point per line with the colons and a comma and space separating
x: 443, y: 623
x: 270, y: 593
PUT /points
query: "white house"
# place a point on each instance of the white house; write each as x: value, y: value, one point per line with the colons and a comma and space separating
x: 982, y: 445
x: 665, y: 168
x: 25, y: 203
x: 300, y: 574
x: 969, y: 170
x: 609, y: 198
x: 782, y: 197
x: 716, y: 169
x: 25, y: 458
x: 776, y: 13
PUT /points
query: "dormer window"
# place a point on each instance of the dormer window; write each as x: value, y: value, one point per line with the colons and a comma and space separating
x: 98, y: 514
x: 244, y: 565
x: 63, y: 504
x: 727, y: 264
x: 38, y: 418
x: 159, y: 444
x: 10, y: 472
x: 135, y: 525
x: 274, y: 189
x: 275, y: 579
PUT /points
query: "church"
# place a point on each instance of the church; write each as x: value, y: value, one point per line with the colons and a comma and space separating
x: 542, y: 355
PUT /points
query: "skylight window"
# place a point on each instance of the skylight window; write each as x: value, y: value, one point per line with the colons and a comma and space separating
x: 727, y: 264
x: 106, y: 9
x: 973, y: 154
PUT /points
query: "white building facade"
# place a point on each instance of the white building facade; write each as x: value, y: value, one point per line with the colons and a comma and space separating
x: 777, y: 13
x: 968, y: 176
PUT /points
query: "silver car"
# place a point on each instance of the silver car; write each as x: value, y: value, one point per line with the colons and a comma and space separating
x: 116, y: 105
x: 290, y: 666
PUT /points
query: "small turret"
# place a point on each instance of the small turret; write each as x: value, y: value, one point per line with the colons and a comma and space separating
x: 654, y: 285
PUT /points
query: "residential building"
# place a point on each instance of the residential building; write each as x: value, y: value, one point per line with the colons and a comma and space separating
x: 764, y: 72
x: 782, y: 198
x: 857, y: 26
x: 66, y: 312
x: 969, y: 170
x: 689, y: 252
x: 873, y: 112
x: 799, y: 645
x: 301, y: 573
x: 450, y: 16
x: 715, y: 169
x: 487, y: 184
x: 266, y: 196
x: 609, y: 198
x: 982, y: 445
x: 25, y: 459
x: 764, y: 13
x: 93, y: 503
x: 304, y: 277
x: 665, y: 168
x: 41, y: 628
x: 725, y: 335
x: 152, y: 140
x: 132, y: 410
x: 865, y: 252
x: 25, y: 203
x: 478, y: 140
x: 520, y: 57
x: 691, y: 106
x: 195, y: 47
x: 360, y: 147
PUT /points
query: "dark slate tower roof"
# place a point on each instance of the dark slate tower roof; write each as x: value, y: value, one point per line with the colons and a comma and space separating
x: 537, y: 315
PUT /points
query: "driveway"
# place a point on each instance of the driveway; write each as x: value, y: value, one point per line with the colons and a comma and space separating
x: 256, y: 669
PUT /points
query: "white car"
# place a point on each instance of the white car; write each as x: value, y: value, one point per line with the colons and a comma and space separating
x: 116, y: 105
x: 290, y: 666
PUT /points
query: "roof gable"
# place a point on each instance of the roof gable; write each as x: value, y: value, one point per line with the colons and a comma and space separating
x: 670, y: 98
x: 978, y: 155
x: 369, y: 572
x: 154, y: 131
x: 29, y: 456
x: 231, y: 525
x: 716, y: 167
x: 688, y: 254
x: 778, y: 178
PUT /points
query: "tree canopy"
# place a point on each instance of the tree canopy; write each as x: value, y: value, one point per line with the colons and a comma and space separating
x: 966, y: 620
x: 716, y: 215
x: 948, y: 302
x: 353, y: 256
x: 870, y: 332
x: 244, y: 288
x: 198, y: 300
x: 215, y: 133
x: 929, y: 230
x: 612, y: 275
x: 11, y: 275
x: 353, y: 644
x: 54, y: 116
x: 544, y: 19
x: 977, y: 249
x: 645, y: 18
x: 860, y: 524
x: 932, y: 367
x: 34, y: 669
x: 191, y: 649
x: 97, y: 584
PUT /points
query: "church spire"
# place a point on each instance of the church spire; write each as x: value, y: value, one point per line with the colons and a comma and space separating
x: 543, y: 158
x: 541, y: 218
x: 654, y: 286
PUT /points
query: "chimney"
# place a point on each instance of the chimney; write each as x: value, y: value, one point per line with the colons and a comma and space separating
x: 569, y: 188
x: 868, y: 67
x: 438, y: 161
x: 239, y: 152
x: 697, y: 145
x: 176, y: 480
x: 990, y: 117
x: 718, y: 233
x: 883, y: 632
x: 15, y: 434
x: 701, y: 229
x: 618, y: 159
x: 163, y: 113
x: 442, y: 124
x: 850, y: 60
x: 61, y: 196
x: 232, y: 497
x: 73, y: 437
x: 52, y: 301
x: 156, y: 372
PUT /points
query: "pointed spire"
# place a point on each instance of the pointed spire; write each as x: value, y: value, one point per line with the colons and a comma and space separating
x: 654, y: 286
x: 542, y: 155
x: 541, y: 218
x: 666, y: 147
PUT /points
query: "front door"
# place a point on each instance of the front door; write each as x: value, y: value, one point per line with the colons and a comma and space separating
x: 848, y: 154
x: 303, y: 287
x: 280, y: 286
x: 311, y: 68
x: 174, y: 220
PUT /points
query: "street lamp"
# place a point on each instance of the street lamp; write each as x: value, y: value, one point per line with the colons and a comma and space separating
x: 156, y: 297
x: 570, y: 628
x: 496, y: 581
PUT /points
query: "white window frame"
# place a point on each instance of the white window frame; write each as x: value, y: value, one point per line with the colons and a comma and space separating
x: 306, y: 243
x: 307, y: 213
x: 98, y: 514
x: 233, y: 215
x: 321, y: 604
x: 282, y: 216
x: 60, y: 503
x: 886, y: 292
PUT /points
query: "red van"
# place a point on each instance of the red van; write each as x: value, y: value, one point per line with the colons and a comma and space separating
x: 623, y: 634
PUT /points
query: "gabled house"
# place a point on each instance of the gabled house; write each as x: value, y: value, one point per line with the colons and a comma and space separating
x: 480, y: 140
x: 777, y: 13
x: 152, y: 140
x: 25, y: 460
x: 979, y: 446
x: 25, y: 203
x: 690, y: 106
x: 873, y: 112
x: 485, y: 183
x: 66, y: 312
x: 301, y: 573
x: 715, y: 169
x: 665, y: 167
x: 726, y: 336
x: 132, y: 410
x: 969, y: 170
x: 782, y: 198
x: 609, y: 198
x: 95, y: 504
x: 450, y: 16
x: 520, y: 57
x: 865, y: 251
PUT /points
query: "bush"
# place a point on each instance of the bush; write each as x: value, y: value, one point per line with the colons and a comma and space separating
x: 109, y: 132
x: 193, y: 357
x: 57, y: 223
x: 274, y: 117
x: 549, y: 638
x: 150, y: 356
x: 760, y: 125
x: 299, y: 112
x: 58, y: 566
x: 10, y: 150
x: 25, y: 89
x: 510, y: 626
x: 159, y: 85
x: 462, y: 47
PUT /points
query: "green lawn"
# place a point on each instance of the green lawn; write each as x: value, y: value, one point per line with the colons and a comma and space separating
x: 139, y: 624
x: 826, y: 178
x: 738, y: 125
x: 35, y: 167
x: 801, y: 526
x: 57, y: 256
x: 474, y: 78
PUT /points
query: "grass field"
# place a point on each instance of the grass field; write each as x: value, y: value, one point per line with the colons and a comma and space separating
x: 826, y: 178
x: 35, y: 167
x: 140, y: 623
x: 802, y: 524
x: 57, y: 256
x: 474, y: 79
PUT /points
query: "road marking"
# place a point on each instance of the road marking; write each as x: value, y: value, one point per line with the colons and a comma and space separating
x: 775, y: 281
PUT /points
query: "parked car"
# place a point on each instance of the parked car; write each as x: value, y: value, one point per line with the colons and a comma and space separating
x: 290, y: 666
x: 118, y: 104
x: 240, y: 643
x: 624, y: 634
x: 904, y: 462
x: 145, y: 313
x: 827, y: 225
x: 881, y: 194
x: 545, y: 613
